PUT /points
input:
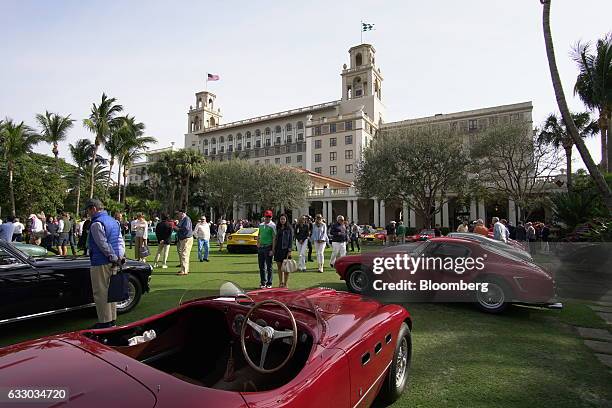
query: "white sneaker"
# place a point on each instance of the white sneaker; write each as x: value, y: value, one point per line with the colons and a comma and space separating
x: 164, y: 266
x: 154, y: 265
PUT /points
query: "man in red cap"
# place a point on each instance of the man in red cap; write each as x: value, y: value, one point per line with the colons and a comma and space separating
x: 265, y: 249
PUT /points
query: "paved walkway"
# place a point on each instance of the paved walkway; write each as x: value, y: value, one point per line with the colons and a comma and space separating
x: 600, y: 340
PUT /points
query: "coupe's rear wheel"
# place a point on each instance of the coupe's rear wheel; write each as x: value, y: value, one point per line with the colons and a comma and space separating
x: 135, y: 292
x: 357, y: 280
x: 399, y: 370
x: 495, y: 299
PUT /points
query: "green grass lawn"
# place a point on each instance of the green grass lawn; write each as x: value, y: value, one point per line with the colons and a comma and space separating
x: 527, y: 357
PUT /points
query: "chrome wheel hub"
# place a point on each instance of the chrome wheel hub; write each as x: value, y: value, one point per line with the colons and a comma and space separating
x: 401, y: 363
x: 494, y: 296
x: 131, y: 295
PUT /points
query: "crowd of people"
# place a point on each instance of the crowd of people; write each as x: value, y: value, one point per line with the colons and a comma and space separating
x: 530, y: 234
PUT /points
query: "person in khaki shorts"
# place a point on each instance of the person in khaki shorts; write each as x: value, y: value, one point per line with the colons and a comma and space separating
x: 106, y: 252
x: 185, y: 241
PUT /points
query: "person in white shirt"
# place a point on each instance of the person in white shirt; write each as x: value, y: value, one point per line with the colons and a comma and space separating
x: 500, y: 232
x: 221, y: 230
x: 141, y: 228
x: 36, y: 229
x: 202, y: 233
x: 18, y: 228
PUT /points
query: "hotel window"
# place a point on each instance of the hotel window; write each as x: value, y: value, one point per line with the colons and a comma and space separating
x: 205, y: 142
x: 248, y: 145
x: 317, y: 130
x: 299, y: 158
x: 332, y: 141
x: 300, y: 137
x: 318, y: 170
x: 230, y: 148
x: 472, y: 125
x: 348, y: 154
x: 277, y: 150
x: 214, y: 150
x: 288, y: 127
x: 230, y: 138
x: 267, y: 142
x: 258, y: 144
x: 267, y: 131
x: 332, y: 128
x: 277, y: 129
x: 289, y: 139
x: 300, y: 125
x: 222, y: 149
x: 348, y: 139
x: 277, y: 160
x: 257, y: 133
x: 278, y: 139
x: 333, y: 156
x: 348, y: 168
x: 348, y: 125
x: 267, y: 161
x: 333, y: 170
x: 288, y: 159
x: 205, y: 152
x: 221, y: 139
x: 318, y: 144
x: 239, y: 146
x: 317, y: 157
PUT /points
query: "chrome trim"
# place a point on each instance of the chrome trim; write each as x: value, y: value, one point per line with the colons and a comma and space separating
x: 557, y: 305
x: 49, y: 313
x: 373, y: 384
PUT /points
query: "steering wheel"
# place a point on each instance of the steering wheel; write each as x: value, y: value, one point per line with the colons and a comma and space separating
x: 267, y: 335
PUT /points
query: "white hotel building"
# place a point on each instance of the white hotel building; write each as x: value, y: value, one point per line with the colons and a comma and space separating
x: 327, y: 140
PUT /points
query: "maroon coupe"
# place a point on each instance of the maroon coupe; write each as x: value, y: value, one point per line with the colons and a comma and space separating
x: 265, y: 348
x: 509, y: 278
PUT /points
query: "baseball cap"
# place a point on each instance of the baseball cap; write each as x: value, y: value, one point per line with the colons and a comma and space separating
x: 267, y: 213
x: 93, y: 202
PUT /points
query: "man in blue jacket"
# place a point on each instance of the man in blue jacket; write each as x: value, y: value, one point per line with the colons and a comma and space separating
x: 106, y: 252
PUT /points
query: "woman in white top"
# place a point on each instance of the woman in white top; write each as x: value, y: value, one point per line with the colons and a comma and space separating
x: 141, y: 228
x: 221, y: 230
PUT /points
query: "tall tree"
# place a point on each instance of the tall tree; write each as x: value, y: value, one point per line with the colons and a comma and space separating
x: 81, y: 153
x: 54, y: 129
x: 418, y: 166
x: 555, y: 132
x: 16, y: 141
x: 511, y: 162
x: 134, y: 145
x: 191, y: 166
x: 594, y: 87
x: 600, y: 182
x: 102, y: 120
x: 130, y: 136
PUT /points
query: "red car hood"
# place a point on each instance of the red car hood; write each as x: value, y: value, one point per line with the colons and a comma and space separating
x: 53, y: 363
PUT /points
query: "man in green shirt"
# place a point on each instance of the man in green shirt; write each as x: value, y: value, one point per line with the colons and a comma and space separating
x: 265, y: 249
x: 401, y: 232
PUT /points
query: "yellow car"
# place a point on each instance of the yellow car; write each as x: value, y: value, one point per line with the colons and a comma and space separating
x: 243, y: 240
x: 372, y: 235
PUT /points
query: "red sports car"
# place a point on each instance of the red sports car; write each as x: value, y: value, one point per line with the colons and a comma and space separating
x: 422, y: 235
x: 509, y: 279
x: 265, y: 348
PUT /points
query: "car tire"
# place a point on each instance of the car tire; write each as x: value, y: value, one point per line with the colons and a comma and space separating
x: 496, y: 299
x: 396, y: 380
x: 357, y: 279
x: 135, y: 290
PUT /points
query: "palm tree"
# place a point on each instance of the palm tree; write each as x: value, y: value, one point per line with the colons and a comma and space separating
x: 596, y: 175
x: 594, y: 86
x: 15, y: 142
x: 190, y: 168
x: 555, y: 132
x: 101, y: 123
x: 129, y: 133
x: 54, y: 129
x: 81, y: 152
x: 133, y: 148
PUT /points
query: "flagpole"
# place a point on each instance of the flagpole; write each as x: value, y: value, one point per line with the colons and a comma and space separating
x: 361, y: 31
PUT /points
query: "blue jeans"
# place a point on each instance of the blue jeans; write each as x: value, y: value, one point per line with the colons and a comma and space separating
x: 203, y: 244
x: 265, y: 264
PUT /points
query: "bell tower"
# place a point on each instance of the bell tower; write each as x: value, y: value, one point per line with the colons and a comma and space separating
x: 362, y: 83
x: 205, y: 114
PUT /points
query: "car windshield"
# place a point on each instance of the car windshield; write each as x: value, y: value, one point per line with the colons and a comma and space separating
x: 17, y: 251
x: 228, y: 291
x: 427, y: 232
x: 246, y: 231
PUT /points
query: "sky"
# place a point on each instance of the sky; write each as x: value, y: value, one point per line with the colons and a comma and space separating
x: 435, y: 57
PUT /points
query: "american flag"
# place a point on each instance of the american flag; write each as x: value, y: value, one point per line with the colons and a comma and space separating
x: 213, y: 77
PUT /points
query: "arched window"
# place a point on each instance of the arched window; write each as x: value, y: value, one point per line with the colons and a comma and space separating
x: 221, y: 139
x: 277, y: 129
x: 267, y: 131
x: 213, y: 141
x: 199, y: 103
x: 239, y: 137
x: 230, y: 138
x: 257, y: 132
x: 205, y: 142
x: 300, y: 125
x: 288, y: 127
x: 248, y: 134
x: 358, y: 59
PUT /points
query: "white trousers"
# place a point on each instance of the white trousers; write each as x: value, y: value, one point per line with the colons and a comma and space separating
x: 320, y: 248
x: 338, y: 251
x: 302, y: 250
